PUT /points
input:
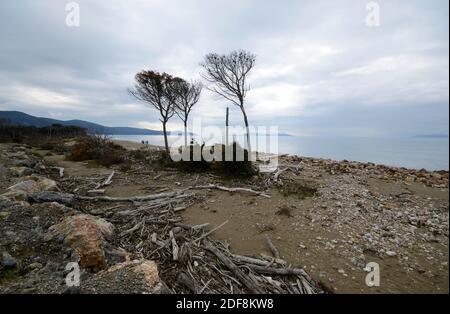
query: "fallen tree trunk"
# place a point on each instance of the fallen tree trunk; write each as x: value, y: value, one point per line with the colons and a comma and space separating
x: 280, y: 271
x: 231, y: 190
x: 257, y: 261
x: 131, y: 198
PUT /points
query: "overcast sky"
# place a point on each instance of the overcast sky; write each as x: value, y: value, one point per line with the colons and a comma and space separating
x: 320, y: 69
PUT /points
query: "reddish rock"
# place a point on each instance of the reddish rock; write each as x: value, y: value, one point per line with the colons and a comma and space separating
x: 85, y: 234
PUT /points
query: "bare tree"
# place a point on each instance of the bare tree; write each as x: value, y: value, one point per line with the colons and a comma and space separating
x: 156, y: 90
x: 229, y: 75
x: 186, y: 96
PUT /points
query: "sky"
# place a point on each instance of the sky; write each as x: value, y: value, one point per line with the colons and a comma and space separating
x: 323, y: 68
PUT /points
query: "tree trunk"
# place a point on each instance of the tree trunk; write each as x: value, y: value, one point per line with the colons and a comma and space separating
x: 226, y: 127
x: 166, y: 143
x: 185, y: 134
x: 246, y: 129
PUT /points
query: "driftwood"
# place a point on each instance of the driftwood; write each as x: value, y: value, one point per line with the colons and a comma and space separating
x: 282, y: 168
x: 61, y: 171
x: 231, y: 190
x: 211, y: 231
x: 109, y: 179
x: 185, y: 280
x: 175, y: 248
x: 279, y: 271
x: 272, y: 259
x: 99, y: 191
x: 257, y: 261
x: 133, y: 229
x: 272, y: 247
x: 278, y: 173
x: 131, y: 198
x: 246, y: 280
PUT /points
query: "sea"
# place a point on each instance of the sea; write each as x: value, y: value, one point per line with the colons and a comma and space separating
x: 416, y: 153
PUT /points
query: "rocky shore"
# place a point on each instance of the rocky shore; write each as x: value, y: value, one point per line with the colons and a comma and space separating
x: 327, y: 220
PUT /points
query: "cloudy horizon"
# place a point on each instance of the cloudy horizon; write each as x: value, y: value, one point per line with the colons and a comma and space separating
x: 320, y: 69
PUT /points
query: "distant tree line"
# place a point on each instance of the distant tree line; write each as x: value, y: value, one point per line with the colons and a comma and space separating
x: 226, y: 75
x: 16, y: 132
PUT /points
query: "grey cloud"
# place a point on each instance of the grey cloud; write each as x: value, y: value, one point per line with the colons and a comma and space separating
x: 320, y: 69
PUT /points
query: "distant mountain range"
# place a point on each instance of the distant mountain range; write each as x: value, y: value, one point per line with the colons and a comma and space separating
x: 438, y: 135
x: 21, y: 118
x: 17, y: 117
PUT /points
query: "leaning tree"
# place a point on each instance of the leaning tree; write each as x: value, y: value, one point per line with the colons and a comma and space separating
x: 229, y: 73
x: 186, y: 95
x: 156, y: 90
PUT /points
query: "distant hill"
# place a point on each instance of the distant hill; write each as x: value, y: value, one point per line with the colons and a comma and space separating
x: 17, y: 117
x: 432, y: 136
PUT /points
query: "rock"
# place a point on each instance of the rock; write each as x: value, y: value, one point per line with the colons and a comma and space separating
x: 5, y: 202
x: 33, y: 184
x: 85, y: 234
x: 20, y: 171
x: 391, y: 253
x: 8, y: 262
x: 34, y: 266
x: 49, y: 196
x: 13, y: 196
x: 27, y: 186
x: 24, y: 163
x: 47, y: 184
x: 140, y: 275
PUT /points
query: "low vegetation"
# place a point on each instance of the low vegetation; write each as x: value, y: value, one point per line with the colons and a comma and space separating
x: 237, y: 165
x: 99, y: 149
x: 297, y: 188
x: 27, y: 134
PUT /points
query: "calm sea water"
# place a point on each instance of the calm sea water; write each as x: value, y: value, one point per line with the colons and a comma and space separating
x: 428, y: 153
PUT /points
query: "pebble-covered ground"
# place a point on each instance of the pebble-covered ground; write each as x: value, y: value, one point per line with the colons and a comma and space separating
x: 330, y: 218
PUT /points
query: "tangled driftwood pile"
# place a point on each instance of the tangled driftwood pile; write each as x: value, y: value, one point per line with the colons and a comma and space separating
x: 189, y: 260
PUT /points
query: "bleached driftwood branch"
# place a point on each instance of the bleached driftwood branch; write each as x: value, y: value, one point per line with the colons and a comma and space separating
x: 109, y: 179
x: 272, y: 247
x: 61, y: 171
x: 211, y: 231
x: 231, y: 190
x: 131, y: 198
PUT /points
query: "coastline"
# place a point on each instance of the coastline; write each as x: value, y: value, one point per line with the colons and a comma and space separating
x: 436, y: 178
